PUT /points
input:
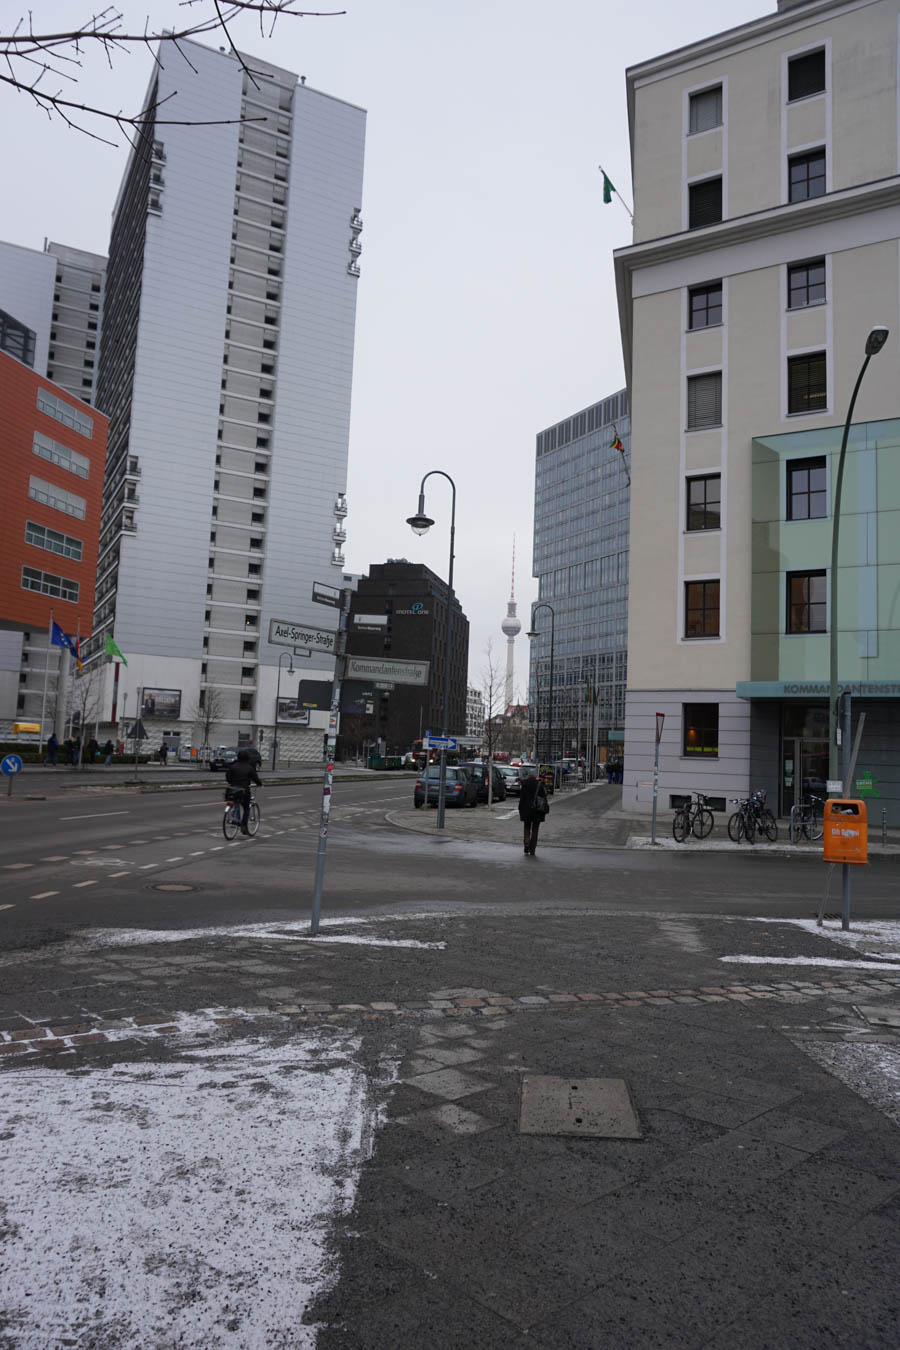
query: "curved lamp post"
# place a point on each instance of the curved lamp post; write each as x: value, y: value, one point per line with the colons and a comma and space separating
x: 874, y: 343
x: 281, y: 656
x: 531, y: 634
x: 420, y: 524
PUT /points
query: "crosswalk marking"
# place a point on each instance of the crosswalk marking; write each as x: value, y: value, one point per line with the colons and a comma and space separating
x: 80, y: 884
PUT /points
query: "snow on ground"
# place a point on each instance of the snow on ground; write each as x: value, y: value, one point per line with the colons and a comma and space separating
x: 870, y: 1069
x: 870, y: 967
x: 872, y: 938
x: 186, y: 1202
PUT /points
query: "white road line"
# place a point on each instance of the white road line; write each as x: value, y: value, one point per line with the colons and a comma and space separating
x: 41, y: 895
x: 138, y: 841
x: 7, y: 906
x: 84, y: 851
x: 118, y: 874
x: 93, y: 815
x: 212, y: 850
x: 146, y: 866
x: 80, y: 884
x: 12, y: 867
x: 177, y: 858
x: 56, y: 857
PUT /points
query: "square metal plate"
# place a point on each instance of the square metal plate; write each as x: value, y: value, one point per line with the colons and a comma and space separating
x: 599, y: 1108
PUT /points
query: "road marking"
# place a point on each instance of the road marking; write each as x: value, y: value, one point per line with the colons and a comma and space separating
x: 84, y: 851
x: 11, y: 867
x: 146, y: 866
x: 177, y: 858
x: 56, y: 857
x: 7, y: 906
x: 93, y: 815
x: 41, y: 895
x: 118, y: 874
x: 138, y: 841
x: 215, y: 849
x: 80, y: 884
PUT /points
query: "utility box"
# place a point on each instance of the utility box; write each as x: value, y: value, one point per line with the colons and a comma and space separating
x: 846, y: 831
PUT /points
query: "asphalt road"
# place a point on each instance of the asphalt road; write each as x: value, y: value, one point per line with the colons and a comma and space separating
x: 86, y: 857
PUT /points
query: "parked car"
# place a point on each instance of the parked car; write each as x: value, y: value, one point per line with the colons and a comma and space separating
x: 227, y: 754
x: 479, y: 774
x: 511, y: 778
x: 459, y: 787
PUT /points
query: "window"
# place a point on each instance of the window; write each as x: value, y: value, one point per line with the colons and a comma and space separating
x: 252, y: 594
x: 704, y: 203
x: 61, y: 455
x: 64, y: 412
x: 806, y: 176
x: 700, y: 727
x: 248, y: 672
x: 806, y: 602
x: 704, y: 502
x: 705, y: 305
x: 16, y: 339
x: 43, y: 537
x: 806, y: 489
x: 806, y: 75
x: 704, y: 401
x: 806, y: 284
x: 48, y: 584
x: 56, y: 497
x: 705, y: 110
x: 250, y: 620
x: 249, y: 648
x: 246, y: 703
x: 807, y: 392
x: 701, y: 609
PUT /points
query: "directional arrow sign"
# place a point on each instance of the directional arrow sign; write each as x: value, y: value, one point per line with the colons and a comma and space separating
x: 440, y: 743
x: 11, y: 764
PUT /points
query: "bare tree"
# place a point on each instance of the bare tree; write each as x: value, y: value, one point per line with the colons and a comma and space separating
x: 86, y: 705
x: 493, y: 688
x: 45, y: 66
x: 208, y: 710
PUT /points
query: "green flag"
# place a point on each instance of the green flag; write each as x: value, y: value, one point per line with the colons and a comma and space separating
x: 110, y: 649
x: 608, y: 190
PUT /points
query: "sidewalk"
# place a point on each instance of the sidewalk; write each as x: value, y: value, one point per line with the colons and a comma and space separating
x: 592, y: 817
x: 175, y: 777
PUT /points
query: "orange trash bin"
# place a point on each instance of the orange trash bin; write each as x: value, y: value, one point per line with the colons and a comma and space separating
x: 846, y: 831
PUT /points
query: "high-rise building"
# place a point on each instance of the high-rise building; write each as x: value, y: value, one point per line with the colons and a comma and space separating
x: 581, y: 509
x: 511, y: 627
x: 225, y: 367
x: 766, y: 233
x: 74, y: 351
x: 474, y: 714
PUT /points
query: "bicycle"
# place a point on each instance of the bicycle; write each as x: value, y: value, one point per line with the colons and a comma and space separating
x: 234, y: 810
x: 806, y: 818
x: 693, y: 818
x: 752, y: 818
x: 765, y: 821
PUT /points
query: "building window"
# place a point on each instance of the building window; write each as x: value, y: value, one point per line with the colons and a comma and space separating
x: 700, y: 727
x: 246, y: 703
x: 807, y: 489
x: 806, y: 284
x: 806, y: 75
x: 705, y: 110
x: 705, y: 305
x: 806, y: 176
x: 64, y: 412
x: 43, y: 537
x: 16, y: 339
x: 701, y: 609
x: 807, y: 391
x: 704, y: 203
x: 704, y: 506
x: 56, y: 497
x: 806, y: 602
x: 48, y: 584
x: 61, y: 455
x: 704, y: 401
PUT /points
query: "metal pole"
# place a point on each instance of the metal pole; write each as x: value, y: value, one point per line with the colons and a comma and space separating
x: 137, y: 728
x: 655, y: 792
x: 277, y: 697
x: 833, y: 618
x: 550, y: 708
x: 339, y: 666
x: 847, y: 753
x: 44, y: 694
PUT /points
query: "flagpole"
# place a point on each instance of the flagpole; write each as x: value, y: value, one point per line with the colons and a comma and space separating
x: 44, y: 694
x: 612, y: 188
x: 82, y: 719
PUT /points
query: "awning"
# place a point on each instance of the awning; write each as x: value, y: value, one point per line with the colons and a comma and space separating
x: 754, y: 689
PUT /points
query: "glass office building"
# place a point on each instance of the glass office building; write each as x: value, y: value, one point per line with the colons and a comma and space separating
x: 581, y: 511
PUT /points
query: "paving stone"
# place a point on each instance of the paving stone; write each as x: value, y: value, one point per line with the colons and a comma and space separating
x: 448, y: 1083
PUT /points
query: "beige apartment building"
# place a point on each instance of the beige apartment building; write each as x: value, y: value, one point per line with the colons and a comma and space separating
x: 766, y: 164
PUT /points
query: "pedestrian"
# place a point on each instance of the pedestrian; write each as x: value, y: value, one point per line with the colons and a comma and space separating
x: 92, y: 748
x: 67, y: 750
x: 52, y: 750
x: 533, y: 807
x: 76, y: 751
x: 108, y: 752
x: 163, y: 754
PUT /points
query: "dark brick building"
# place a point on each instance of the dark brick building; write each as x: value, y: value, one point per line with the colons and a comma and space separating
x: 399, y: 613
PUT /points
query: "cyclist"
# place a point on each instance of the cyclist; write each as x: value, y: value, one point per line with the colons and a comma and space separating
x: 240, y: 775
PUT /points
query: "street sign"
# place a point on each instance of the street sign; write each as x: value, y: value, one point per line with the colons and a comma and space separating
x: 283, y: 633
x: 385, y: 684
x: 440, y: 743
x: 327, y: 595
x: 398, y: 672
x: 11, y: 764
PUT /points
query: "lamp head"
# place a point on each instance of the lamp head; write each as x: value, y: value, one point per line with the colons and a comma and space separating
x: 532, y: 633
x: 420, y: 523
x: 876, y: 339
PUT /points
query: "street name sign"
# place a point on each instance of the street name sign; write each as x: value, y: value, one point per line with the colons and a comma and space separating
x: 398, y: 672
x: 283, y: 633
x: 327, y: 595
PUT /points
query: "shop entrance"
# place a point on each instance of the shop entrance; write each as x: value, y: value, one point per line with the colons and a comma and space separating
x: 804, y: 753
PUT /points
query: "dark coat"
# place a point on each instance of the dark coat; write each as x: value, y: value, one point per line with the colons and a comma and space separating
x: 241, y: 774
x: 532, y: 791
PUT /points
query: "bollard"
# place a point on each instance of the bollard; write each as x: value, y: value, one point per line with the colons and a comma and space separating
x: 884, y: 826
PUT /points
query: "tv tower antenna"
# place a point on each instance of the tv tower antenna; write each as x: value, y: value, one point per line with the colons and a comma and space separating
x: 511, y: 628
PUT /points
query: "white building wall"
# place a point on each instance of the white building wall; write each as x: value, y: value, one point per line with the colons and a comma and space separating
x: 26, y: 292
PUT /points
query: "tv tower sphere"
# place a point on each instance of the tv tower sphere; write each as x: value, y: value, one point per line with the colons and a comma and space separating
x: 511, y: 625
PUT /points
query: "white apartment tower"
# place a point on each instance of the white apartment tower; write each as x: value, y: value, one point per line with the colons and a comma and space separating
x: 225, y: 368
x: 766, y: 164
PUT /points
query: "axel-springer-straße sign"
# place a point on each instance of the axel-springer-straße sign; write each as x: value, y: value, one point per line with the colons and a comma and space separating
x: 283, y: 633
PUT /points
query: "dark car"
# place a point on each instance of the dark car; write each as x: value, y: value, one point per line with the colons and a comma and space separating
x: 227, y: 754
x: 479, y: 773
x: 459, y: 787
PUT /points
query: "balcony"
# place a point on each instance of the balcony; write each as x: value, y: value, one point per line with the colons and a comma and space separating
x: 355, y: 246
x: 353, y: 269
x: 339, y: 534
x: 356, y: 222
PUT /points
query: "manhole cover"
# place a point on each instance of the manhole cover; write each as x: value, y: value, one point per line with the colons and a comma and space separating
x: 596, y: 1107
x: 172, y: 886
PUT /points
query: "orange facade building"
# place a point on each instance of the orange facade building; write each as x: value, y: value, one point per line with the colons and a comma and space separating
x: 52, y: 459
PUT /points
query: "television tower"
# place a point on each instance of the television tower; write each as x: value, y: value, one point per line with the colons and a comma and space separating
x: 511, y: 627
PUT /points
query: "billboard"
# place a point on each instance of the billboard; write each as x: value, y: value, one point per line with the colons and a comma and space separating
x: 161, y: 703
x: 290, y: 711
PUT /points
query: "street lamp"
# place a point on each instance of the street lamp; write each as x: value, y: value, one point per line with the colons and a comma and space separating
x: 281, y: 656
x: 420, y: 524
x: 874, y: 343
x: 532, y: 633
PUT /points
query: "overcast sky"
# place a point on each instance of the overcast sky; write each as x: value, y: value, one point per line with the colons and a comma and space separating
x: 486, y: 307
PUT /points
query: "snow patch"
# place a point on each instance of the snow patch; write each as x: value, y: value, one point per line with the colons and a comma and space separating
x: 870, y: 967
x: 871, y: 1069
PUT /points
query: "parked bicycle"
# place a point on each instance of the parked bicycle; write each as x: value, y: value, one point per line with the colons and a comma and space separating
x: 806, y: 818
x: 695, y: 818
x: 234, y: 810
x: 752, y: 818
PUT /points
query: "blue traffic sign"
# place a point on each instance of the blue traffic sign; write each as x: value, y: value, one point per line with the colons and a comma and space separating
x: 11, y: 764
x: 440, y: 743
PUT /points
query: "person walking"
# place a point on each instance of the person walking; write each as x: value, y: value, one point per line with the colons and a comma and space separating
x: 92, y: 748
x: 240, y: 775
x: 163, y: 754
x: 52, y: 750
x: 76, y: 751
x: 533, y: 807
x: 108, y: 752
